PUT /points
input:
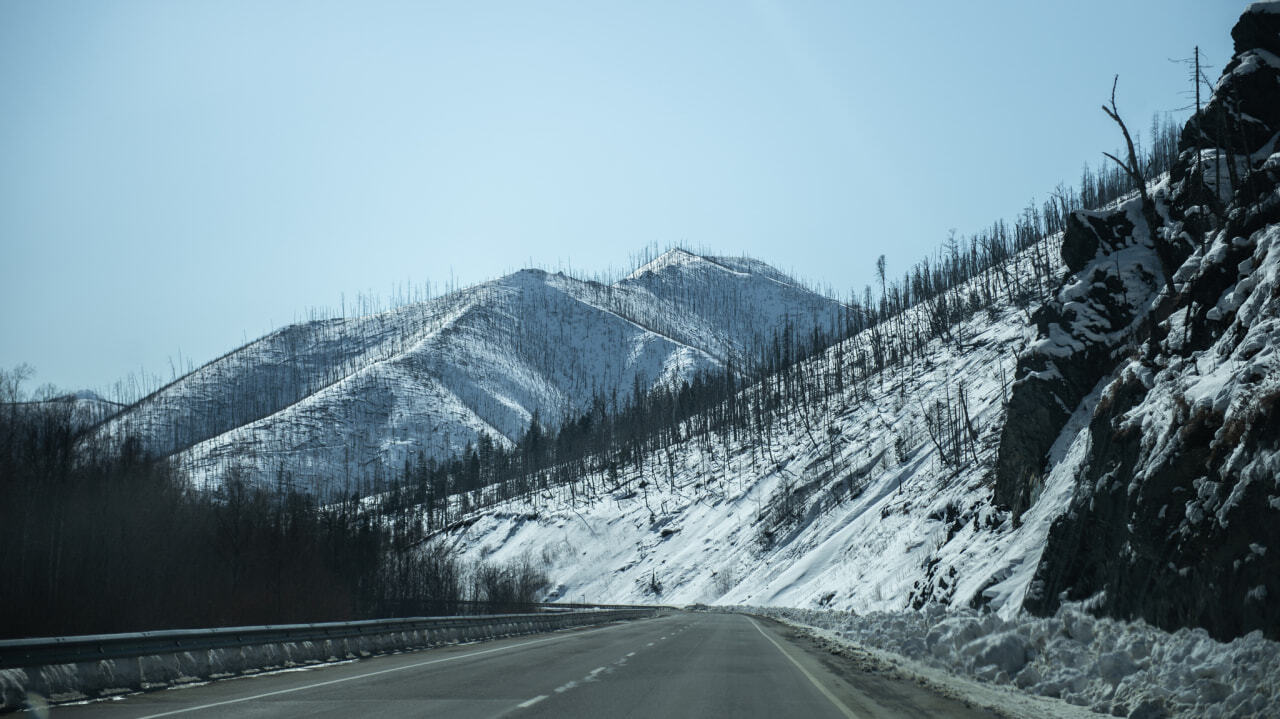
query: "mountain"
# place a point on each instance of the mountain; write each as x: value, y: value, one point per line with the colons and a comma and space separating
x: 1118, y: 447
x: 333, y: 404
x: 855, y: 501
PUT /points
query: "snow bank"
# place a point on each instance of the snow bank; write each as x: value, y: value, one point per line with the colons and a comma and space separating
x: 1113, y: 667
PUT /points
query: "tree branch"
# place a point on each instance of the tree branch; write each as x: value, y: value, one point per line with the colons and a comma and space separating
x: 1133, y: 169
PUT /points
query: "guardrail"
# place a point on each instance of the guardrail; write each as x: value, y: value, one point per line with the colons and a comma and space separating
x: 68, y: 668
x: 63, y: 650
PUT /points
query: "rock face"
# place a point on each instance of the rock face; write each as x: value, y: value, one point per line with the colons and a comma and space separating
x: 1176, y: 514
x: 1081, y: 335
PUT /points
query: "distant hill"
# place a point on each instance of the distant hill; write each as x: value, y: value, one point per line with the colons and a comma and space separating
x: 333, y: 404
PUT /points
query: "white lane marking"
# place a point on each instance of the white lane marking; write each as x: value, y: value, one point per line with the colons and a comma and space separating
x: 566, y: 687
x: 264, y: 695
x: 649, y: 644
x: 631, y: 654
x: 531, y: 702
x: 813, y: 680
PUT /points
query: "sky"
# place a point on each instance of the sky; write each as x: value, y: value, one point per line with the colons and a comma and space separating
x: 178, y: 177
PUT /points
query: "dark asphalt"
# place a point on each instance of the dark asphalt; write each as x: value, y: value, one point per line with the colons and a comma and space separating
x: 681, y: 665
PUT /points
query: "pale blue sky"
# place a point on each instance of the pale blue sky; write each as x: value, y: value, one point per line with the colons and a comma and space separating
x: 178, y: 175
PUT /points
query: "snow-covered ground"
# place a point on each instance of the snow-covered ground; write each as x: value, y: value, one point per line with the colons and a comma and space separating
x: 879, y: 520
x: 1112, y: 667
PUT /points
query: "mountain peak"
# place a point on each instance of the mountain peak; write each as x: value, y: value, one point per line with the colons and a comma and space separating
x: 675, y: 257
x: 681, y: 260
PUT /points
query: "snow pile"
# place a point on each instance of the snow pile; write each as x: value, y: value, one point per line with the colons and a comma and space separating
x: 1112, y: 667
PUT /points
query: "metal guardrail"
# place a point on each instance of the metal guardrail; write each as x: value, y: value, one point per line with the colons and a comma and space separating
x: 86, y: 648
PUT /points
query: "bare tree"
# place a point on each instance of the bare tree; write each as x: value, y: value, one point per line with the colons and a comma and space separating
x: 1132, y: 168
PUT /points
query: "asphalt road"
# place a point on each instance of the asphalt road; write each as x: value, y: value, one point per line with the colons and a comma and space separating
x: 681, y: 665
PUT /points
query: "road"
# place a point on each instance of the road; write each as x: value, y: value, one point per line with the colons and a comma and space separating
x: 681, y: 665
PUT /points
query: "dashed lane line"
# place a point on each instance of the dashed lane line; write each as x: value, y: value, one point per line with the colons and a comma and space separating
x: 316, y: 685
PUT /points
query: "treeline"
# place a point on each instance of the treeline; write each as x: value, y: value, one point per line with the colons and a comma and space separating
x: 796, y: 377
x: 105, y: 538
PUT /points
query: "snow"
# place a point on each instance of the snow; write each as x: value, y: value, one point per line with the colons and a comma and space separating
x: 1022, y: 555
x: 335, y: 403
x: 1253, y: 60
x: 892, y: 526
x: 1108, y: 666
x: 1226, y: 380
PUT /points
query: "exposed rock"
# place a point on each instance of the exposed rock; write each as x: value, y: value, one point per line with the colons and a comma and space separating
x: 1082, y: 334
x: 1088, y: 231
x: 1176, y: 516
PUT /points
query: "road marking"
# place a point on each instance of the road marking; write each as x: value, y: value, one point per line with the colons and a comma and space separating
x: 812, y: 679
x: 264, y: 695
x: 531, y: 702
x: 649, y: 644
x: 631, y: 654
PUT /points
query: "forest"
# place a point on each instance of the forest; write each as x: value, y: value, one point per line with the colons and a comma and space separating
x: 98, y: 537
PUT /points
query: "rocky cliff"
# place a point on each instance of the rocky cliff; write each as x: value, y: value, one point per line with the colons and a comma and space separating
x: 1170, y: 319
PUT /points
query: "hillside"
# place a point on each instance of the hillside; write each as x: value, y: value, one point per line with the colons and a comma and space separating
x: 1117, y: 446
x: 335, y: 404
x: 851, y: 502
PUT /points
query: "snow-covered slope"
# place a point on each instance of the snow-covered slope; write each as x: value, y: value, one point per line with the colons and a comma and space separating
x: 334, y: 403
x: 874, y: 518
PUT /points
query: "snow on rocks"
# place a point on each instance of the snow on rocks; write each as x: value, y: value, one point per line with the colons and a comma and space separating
x: 1113, y: 667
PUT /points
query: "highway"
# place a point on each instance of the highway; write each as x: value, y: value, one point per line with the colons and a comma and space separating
x: 680, y: 665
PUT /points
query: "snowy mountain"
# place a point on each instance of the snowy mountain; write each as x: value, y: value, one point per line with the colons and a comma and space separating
x: 335, y: 403
x: 1119, y: 446
x: 850, y: 503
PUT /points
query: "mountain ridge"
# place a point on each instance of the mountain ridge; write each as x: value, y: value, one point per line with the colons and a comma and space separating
x: 314, y: 399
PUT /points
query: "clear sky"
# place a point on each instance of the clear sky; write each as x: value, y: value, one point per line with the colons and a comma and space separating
x: 176, y: 176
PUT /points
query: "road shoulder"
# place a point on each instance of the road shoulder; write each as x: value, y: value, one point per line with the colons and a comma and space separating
x: 867, y: 684
x: 850, y: 662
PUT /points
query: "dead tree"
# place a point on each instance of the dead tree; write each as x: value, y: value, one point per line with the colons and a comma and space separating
x: 1132, y: 168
